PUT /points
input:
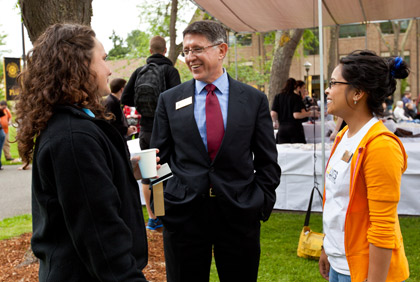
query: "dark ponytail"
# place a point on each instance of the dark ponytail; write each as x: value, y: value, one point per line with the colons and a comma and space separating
x: 289, y: 87
x: 374, y: 75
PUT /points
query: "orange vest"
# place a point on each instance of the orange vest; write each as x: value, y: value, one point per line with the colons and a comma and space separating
x: 372, y: 218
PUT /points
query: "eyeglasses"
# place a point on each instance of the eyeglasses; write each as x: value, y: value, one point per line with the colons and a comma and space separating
x: 332, y: 83
x: 197, y: 50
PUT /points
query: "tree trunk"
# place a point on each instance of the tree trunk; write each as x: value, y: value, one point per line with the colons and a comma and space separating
x: 37, y: 17
x: 173, y: 54
x: 333, y: 50
x: 397, y: 93
x: 282, y: 60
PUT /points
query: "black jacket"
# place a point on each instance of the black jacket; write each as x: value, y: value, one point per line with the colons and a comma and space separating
x: 171, y: 79
x: 244, y: 173
x: 113, y: 105
x: 87, y: 216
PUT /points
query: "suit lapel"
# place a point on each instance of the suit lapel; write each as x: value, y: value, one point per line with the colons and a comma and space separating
x: 235, y: 107
x: 190, y: 121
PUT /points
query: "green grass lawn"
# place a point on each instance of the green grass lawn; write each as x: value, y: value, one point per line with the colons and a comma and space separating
x: 279, y: 240
x: 15, y: 226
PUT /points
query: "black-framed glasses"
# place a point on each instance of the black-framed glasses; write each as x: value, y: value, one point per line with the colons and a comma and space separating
x: 332, y: 83
x: 197, y: 50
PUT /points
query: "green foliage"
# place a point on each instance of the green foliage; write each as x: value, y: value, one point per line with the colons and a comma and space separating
x: 404, y: 84
x: 118, y: 51
x: 138, y: 44
x: 1, y: 80
x: 255, y: 74
x: 2, y: 43
x: 310, y: 42
x: 183, y: 70
x: 270, y: 38
x: 158, y: 15
x: 15, y: 226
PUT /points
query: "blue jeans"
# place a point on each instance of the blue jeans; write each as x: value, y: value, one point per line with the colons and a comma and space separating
x: 2, y: 139
x: 338, y: 277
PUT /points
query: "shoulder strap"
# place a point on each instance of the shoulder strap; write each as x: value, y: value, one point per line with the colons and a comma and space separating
x: 308, y: 211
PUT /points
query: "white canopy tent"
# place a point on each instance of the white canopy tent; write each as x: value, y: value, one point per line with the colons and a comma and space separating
x: 269, y: 15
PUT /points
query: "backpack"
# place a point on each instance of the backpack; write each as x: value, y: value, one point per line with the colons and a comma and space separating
x: 150, y: 82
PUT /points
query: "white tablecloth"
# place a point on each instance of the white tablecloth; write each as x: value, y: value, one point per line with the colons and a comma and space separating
x: 297, y: 178
x: 309, y: 131
x: 297, y: 165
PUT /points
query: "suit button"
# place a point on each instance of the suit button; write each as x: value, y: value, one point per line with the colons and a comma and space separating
x: 212, y: 169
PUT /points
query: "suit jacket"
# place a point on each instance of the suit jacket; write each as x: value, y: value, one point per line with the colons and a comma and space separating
x: 244, y: 173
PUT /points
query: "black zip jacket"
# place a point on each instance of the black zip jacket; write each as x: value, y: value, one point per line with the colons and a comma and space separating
x: 87, y: 216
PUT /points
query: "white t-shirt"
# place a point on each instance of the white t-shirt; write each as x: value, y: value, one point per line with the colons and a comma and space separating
x: 337, y: 187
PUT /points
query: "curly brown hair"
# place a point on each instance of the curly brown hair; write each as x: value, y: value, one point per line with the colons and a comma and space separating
x: 57, y: 73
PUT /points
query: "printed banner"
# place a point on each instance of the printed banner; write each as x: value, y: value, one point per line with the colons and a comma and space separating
x: 11, y: 69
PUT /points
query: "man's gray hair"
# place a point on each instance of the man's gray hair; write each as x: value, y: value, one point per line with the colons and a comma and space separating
x: 212, y: 30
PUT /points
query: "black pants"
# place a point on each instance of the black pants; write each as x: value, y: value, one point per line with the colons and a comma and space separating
x: 290, y: 132
x: 233, y: 238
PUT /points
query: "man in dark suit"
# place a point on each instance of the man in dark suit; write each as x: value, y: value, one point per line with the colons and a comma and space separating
x: 219, y: 143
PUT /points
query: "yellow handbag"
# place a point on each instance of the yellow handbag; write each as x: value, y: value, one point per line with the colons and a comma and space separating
x: 310, y: 242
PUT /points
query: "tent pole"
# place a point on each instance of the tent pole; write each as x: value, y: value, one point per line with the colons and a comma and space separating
x: 321, y: 84
x: 417, y: 59
x: 236, y: 58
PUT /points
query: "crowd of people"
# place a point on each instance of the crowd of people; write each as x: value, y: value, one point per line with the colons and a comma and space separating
x: 216, y: 134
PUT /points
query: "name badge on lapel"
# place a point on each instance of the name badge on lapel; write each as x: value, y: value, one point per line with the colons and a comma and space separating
x: 183, y: 103
x: 347, y: 156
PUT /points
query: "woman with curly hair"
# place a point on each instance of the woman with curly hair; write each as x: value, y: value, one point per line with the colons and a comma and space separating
x: 363, y: 240
x: 87, y: 216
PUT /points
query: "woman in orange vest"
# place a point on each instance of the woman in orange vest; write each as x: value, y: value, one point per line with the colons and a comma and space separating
x: 363, y: 240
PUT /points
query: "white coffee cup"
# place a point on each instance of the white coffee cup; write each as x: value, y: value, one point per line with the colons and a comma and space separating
x: 147, y: 163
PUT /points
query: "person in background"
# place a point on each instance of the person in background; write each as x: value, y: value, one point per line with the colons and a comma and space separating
x: 406, y: 99
x: 399, y: 112
x: 363, y: 240
x: 389, y: 101
x: 286, y: 112
x: 86, y: 212
x: 172, y: 78
x: 339, y: 125
x: 2, y: 136
x: 5, y: 121
x: 113, y: 105
x: 300, y: 89
x: 133, y: 118
x: 410, y: 111
x: 220, y: 190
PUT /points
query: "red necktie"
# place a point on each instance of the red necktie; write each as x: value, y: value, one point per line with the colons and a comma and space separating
x: 214, y: 122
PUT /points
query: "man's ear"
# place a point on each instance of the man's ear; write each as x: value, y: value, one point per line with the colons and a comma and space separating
x: 223, y: 50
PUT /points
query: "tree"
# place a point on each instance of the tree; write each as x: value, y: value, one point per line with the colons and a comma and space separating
x: 396, y: 49
x: 37, y: 17
x: 333, y: 49
x: 138, y: 43
x: 118, y: 51
x: 286, y: 43
x: 256, y: 74
x: 2, y: 43
x: 163, y: 19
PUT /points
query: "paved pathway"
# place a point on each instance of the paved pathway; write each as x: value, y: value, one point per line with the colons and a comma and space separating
x: 15, y: 191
